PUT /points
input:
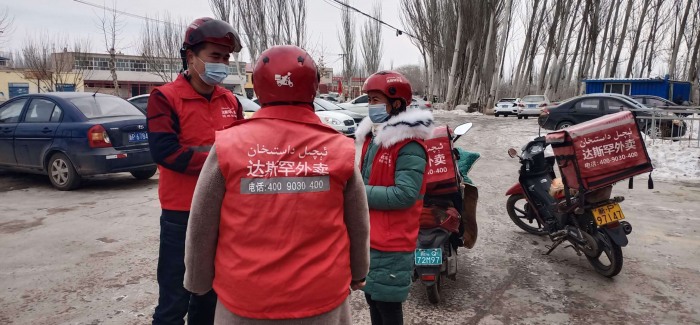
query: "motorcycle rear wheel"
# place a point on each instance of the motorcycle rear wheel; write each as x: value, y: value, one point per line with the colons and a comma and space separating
x: 433, y: 291
x: 610, y: 252
x: 520, y: 215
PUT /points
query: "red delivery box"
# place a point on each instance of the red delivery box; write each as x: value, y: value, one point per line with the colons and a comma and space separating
x: 440, y: 174
x: 600, y: 152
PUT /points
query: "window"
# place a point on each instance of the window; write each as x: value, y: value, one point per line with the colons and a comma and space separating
x: 105, y: 106
x: 56, y: 115
x: 11, y: 112
x: 590, y: 105
x: 617, y: 88
x: 615, y: 105
x: 533, y: 99
x: 653, y: 102
x: 361, y: 100
x: 40, y: 111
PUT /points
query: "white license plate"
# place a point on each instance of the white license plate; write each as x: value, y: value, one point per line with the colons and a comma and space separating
x: 430, y: 256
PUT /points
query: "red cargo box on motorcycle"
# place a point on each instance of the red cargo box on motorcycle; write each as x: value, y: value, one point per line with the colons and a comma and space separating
x: 440, y: 174
x: 600, y: 152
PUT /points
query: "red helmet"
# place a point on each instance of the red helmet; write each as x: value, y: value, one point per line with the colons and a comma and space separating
x: 285, y: 74
x: 213, y: 31
x: 391, y: 83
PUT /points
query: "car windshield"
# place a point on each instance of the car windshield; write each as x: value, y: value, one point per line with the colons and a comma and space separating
x: 533, y: 99
x: 326, y: 105
x: 248, y: 105
x: 105, y: 106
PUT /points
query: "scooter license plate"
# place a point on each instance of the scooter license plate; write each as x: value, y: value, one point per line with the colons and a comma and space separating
x: 430, y: 256
x: 608, y: 213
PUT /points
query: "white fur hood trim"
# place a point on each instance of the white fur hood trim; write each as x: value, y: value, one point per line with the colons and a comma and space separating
x: 411, y: 124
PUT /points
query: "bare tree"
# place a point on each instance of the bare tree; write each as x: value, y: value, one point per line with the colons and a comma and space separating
x: 677, y: 41
x: 637, y: 35
x: 621, y: 40
x: 6, y: 25
x: 451, y: 91
x: 347, y: 44
x: 111, y: 26
x: 161, y: 40
x: 221, y: 9
x: 372, y: 41
x: 53, y: 62
x: 414, y: 74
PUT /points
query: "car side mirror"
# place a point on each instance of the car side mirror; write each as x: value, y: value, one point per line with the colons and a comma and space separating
x: 512, y: 153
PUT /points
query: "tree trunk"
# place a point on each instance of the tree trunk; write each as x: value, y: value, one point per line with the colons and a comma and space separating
x: 635, y: 42
x: 550, y: 44
x: 496, y: 82
x: 533, y: 49
x: 652, y: 39
x: 579, y: 40
x: 605, y: 38
x: 562, y: 62
x: 489, y: 42
x: 677, y: 42
x: 524, y: 52
x: 613, y: 67
x: 593, y: 41
x: 450, y: 98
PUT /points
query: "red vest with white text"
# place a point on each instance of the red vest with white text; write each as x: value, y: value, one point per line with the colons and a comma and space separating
x: 283, y: 248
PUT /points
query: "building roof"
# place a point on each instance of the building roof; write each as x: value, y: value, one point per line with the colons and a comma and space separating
x: 631, y: 80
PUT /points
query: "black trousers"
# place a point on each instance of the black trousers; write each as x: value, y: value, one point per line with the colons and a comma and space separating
x: 385, y: 313
x: 174, y: 301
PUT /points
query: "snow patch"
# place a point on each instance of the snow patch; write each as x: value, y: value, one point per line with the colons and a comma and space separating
x: 678, y: 160
x: 455, y: 112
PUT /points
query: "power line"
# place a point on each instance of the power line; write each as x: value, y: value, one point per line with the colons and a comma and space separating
x: 398, y: 31
x: 126, y: 13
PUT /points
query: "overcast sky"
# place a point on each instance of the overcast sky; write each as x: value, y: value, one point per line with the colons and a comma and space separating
x: 323, y: 19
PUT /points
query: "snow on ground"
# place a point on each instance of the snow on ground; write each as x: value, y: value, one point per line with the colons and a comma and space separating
x: 457, y: 112
x: 678, y: 160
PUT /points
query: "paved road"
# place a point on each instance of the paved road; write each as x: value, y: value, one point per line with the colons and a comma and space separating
x: 89, y: 256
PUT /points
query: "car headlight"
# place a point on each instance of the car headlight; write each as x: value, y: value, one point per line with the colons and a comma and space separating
x: 333, y: 121
x: 677, y: 122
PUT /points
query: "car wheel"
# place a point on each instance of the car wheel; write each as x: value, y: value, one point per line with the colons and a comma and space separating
x: 144, y: 174
x: 519, y: 117
x: 526, y: 117
x: 495, y: 115
x: 654, y: 132
x: 62, y: 173
x: 564, y: 125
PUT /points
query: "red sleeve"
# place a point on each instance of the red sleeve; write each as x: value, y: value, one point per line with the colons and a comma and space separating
x: 163, y: 131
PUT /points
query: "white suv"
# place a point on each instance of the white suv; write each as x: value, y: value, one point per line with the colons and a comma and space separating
x: 506, y: 106
x: 357, y: 105
x: 532, y: 105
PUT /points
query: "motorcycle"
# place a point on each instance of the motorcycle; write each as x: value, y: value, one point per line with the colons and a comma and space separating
x: 436, y: 247
x: 589, y: 221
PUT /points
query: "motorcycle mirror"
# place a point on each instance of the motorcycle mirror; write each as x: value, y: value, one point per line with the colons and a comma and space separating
x: 463, y: 129
x: 512, y: 153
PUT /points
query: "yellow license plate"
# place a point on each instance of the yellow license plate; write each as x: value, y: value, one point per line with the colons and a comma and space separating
x: 608, y: 213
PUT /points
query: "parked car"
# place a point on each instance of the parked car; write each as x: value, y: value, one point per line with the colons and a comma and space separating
x: 328, y: 98
x: 70, y: 135
x: 587, y: 107
x: 419, y: 103
x: 334, y: 116
x: 506, y: 106
x: 140, y: 101
x: 357, y: 105
x: 659, y: 102
x: 335, y: 119
x: 324, y: 105
x: 532, y: 105
x: 249, y: 106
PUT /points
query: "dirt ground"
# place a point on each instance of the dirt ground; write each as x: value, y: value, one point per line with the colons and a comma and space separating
x: 89, y: 256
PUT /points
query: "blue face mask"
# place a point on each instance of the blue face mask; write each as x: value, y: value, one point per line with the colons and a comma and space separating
x: 378, y: 114
x: 214, y: 73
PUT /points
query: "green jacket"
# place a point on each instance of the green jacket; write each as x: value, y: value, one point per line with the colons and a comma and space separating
x: 410, y: 166
x: 390, y: 273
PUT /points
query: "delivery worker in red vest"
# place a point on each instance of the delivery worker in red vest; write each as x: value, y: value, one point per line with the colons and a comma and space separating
x: 393, y: 161
x: 182, y: 118
x: 280, y: 225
